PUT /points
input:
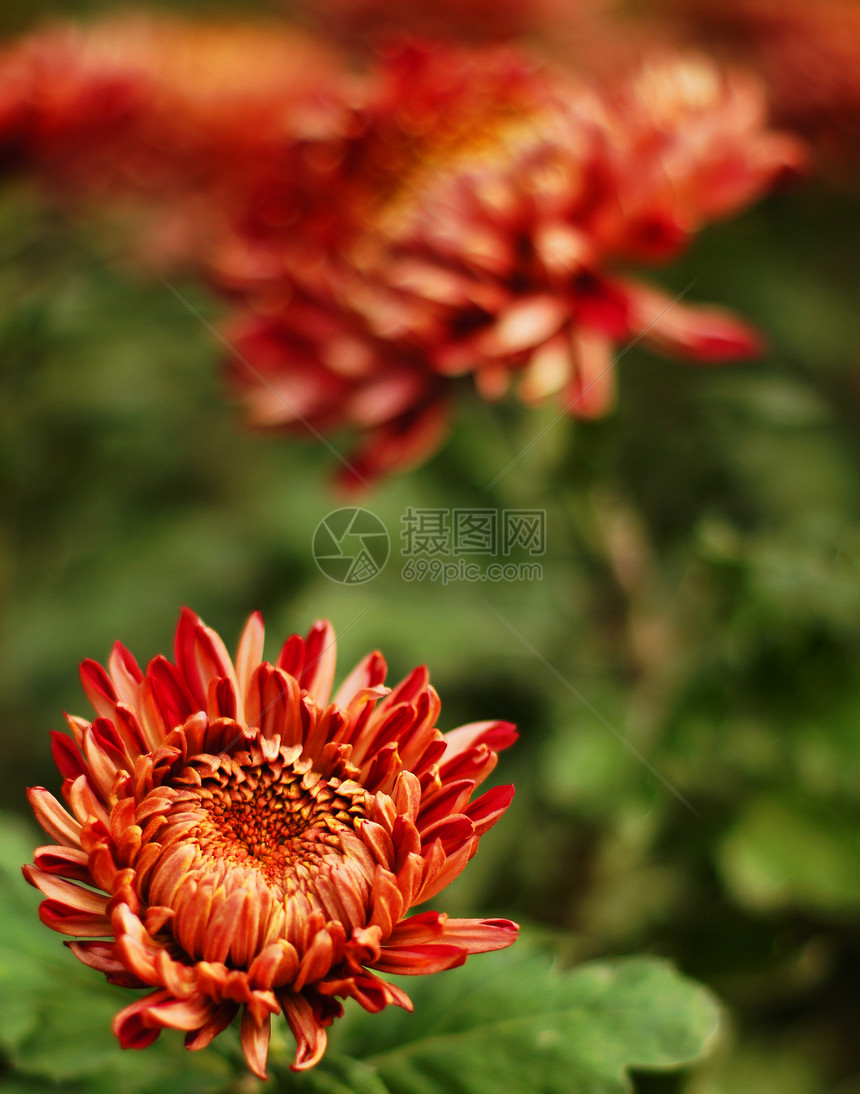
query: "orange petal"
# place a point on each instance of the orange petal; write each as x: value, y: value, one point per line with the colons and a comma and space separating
x: 255, y: 1042
x: 55, y: 820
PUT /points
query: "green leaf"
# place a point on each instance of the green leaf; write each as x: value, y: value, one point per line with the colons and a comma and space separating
x: 513, y: 1022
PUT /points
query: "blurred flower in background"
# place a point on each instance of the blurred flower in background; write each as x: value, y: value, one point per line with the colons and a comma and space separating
x: 180, y: 120
x: 807, y: 54
x: 256, y: 847
x: 444, y: 211
x: 512, y: 242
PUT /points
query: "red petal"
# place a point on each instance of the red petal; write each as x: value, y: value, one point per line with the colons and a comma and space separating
x: 188, y: 1014
x: 387, y: 902
x: 98, y: 688
x: 173, y: 699
x: 368, y: 673
x: 474, y: 935
x: 700, y: 333
x: 317, y: 674
x: 486, y: 810
x: 84, y: 802
x: 69, y: 862
x: 460, y: 742
x: 74, y: 897
x: 219, y: 1021
x: 452, y: 831
x: 130, y: 1024
x: 65, y: 920
x: 275, y: 966
x: 273, y: 704
x: 200, y: 656
x: 437, y: 877
x: 450, y: 799
x: 316, y: 962
x: 67, y: 757
x: 419, y: 959
x: 101, y: 956
x: 125, y: 674
x: 369, y: 991
x: 527, y: 323
x: 249, y: 655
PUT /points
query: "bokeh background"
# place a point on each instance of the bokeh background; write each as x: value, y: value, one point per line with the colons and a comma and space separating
x: 700, y: 597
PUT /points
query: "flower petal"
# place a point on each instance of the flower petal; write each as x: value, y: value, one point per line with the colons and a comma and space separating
x: 55, y: 820
x: 255, y: 1042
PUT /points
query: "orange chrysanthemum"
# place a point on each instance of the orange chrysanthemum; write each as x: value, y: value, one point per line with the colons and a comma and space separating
x: 236, y: 842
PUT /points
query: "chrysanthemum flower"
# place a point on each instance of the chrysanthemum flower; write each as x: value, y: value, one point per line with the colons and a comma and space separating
x: 235, y: 841
x: 498, y: 248
x: 516, y: 241
x: 449, y: 211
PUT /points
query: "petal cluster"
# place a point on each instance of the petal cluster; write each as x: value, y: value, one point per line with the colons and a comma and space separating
x: 235, y: 841
x: 514, y: 241
x: 447, y: 211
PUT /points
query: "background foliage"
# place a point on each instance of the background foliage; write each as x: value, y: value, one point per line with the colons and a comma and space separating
x: 700, y: 598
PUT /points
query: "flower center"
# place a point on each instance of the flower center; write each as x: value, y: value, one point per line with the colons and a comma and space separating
x: 276, y: 819
x: 246, y: 847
